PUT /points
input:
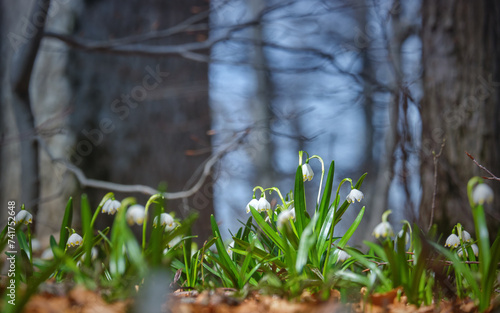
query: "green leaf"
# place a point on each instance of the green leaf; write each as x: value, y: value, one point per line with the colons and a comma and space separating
x: 343, y: 241
x: 276, y: 239
x: 325, y: 199
x: 87, y: 229
x: 224, y: 260
x: 299, y: 202
x: 307, y: 240
x: 66, y: 222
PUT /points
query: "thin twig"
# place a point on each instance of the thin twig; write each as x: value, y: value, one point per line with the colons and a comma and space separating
x: 94, y: 183
x: 435, y: 158
x: 491, y: 177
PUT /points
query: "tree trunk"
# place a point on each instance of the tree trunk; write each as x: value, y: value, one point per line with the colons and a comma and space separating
x: 142, y: 120
x: 460, y: 57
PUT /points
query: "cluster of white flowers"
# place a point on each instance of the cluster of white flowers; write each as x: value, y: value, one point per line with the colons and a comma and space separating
x: 453, y: 241
x: 260, y: 205
x: 111, y: 207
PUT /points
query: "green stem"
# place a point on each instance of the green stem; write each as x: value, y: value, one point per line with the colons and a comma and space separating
x: 322, y: 175
x: 279, y: 193
x: 144, y: 224
x: 261, y: 189
x: 108, y: 196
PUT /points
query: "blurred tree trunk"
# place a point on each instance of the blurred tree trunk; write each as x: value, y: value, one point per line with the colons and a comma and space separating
x: 261, y: 147
x: 142, y: 120
x: 461, y: 59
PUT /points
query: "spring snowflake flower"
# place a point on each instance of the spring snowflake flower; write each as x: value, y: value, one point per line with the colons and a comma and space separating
x: 452, y: 241
x: 474, y: 248
x: 383, y: 230
x: 136, y: 214
x: 466, y: 236
x: 307, y: 172
x: 284, y: 216
x: 24, y: 217
x: 482, y: 193
x: 263, y: 205
x: 253, y: 203
x: 93, y: 254
x: 354, y: 195
x: 74, y: 240
x: 166, y: 220
x: 111, y: 207
x: 342, y: 256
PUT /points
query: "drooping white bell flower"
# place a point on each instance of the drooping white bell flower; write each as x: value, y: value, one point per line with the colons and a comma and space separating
x: 482, y: 193
x: 307, y: 172
x: 136, y: 214
x: 284, y: 217
x: 474, y: 248
x: 111, y: 207
x: 452, y: 241
x: 263, y: 205
x: 383, y: 230
x: 253, y: 203
x: 166, y: 220
x: 342, y: 256
x: 74, y: 240
x: 354, y: 195
x: 24, y: 217
x: 466, y: 236
x: 93, y: 254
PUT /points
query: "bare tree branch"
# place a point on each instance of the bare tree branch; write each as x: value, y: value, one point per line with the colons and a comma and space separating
x: 491, y: 177
x: 20, y: 79
x: 94, y: 183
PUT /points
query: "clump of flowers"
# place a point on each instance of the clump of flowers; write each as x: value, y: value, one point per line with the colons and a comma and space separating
x: 111, y: 207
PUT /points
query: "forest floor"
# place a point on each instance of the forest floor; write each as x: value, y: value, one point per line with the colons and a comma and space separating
x: 222, y: 301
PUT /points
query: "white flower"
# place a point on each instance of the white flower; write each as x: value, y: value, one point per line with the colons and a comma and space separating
x: 263, y: 205
x: 354, y: 195
x: 482, y: 193
x: 174, y: 241
x: 466, y: 236
x: 284, y: 216
x: 452, y: 241
x: 74, y: 240
x: 253, y: 203
x: 111, y: 207
x: 230, y: 248
x: 93, y: 254
x: 24, y: 217
x: 474, y: 248
x: 407, y: 237
x: 136, y: 214
x: 307, y: 172
x: 47, y: 254
x: 36, y: 245
x: 165, y: 220
x: 342, y: 256
x: 383, y: 230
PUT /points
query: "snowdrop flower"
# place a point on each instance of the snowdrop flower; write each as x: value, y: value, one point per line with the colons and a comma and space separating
x: 74, y: 240
x: 307, y: 172
x: 482, y: 193
x: 253, y: 203
x: 47, y: 254
x: 136, y: 214
x: 452, y: 241
x: 24, y: 217
x: 342, y: 256
x: 466, y: 236
x: 263, y: 205
x: 111, y: 207
x: 383, y: 230
x: 284, y: 216
x: 474, y: 248
x: 354, y: 195
x: 166, y: 220
x: 174, y: 241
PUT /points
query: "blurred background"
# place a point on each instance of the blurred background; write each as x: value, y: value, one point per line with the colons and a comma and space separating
x: 207, y: 99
